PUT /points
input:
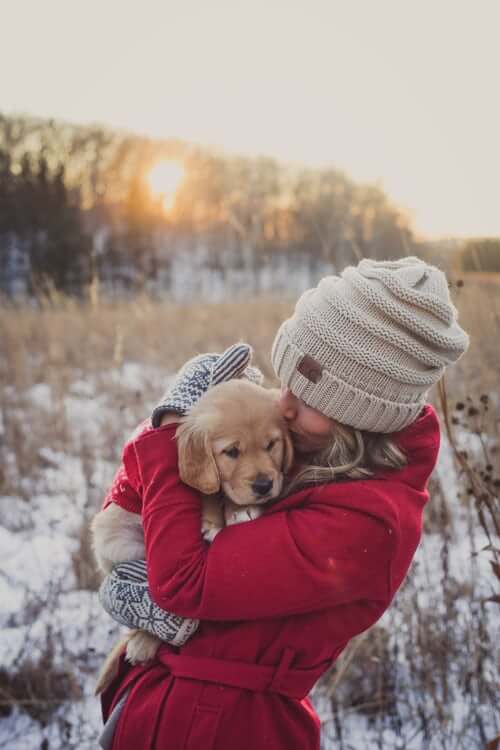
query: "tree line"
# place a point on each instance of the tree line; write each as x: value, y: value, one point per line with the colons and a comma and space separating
x: 41, y: 224
x: 75, y: 205
x: 481, y: 255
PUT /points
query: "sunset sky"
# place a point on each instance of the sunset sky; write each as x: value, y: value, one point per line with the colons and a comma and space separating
x: 403, y: 93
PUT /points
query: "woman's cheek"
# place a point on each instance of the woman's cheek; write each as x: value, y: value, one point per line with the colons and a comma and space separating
x: 316, y: 424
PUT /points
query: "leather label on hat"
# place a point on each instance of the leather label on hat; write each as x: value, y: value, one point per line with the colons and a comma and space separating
x: 310, y: 369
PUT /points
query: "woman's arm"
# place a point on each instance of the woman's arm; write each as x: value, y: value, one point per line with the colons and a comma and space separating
x: 290, y: 562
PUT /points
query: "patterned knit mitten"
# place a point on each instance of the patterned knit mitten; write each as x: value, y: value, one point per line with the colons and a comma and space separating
x: 124, y: 594
x: 201, y: 373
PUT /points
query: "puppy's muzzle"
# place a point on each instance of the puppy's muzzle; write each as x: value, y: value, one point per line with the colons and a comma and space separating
x: 262, y: 485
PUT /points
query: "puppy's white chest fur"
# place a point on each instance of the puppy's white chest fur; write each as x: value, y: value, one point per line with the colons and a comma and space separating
x: 240, y: 515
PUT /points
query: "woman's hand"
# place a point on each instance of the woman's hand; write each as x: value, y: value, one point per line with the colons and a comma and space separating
x: 201, y: 373
x: 124, y: 594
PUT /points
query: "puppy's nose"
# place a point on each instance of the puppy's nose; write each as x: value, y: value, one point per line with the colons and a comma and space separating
x: 262, y: 485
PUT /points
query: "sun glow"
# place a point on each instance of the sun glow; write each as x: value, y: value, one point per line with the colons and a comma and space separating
x: 164, y: 180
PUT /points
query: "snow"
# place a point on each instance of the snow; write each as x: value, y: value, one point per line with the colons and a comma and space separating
x: 43, y: 599
x: 40, y: 395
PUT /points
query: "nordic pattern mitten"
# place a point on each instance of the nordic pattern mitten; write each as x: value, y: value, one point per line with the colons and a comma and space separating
x: 124, y: 594
x: 201, y: 373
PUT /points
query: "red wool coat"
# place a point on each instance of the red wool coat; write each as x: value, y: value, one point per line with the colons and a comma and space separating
x: 278, y: 598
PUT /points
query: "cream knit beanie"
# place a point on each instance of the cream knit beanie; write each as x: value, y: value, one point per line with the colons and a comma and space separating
x: 364, y: 348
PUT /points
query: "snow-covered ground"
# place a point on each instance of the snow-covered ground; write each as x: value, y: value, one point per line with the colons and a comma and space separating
x: 50, y: 617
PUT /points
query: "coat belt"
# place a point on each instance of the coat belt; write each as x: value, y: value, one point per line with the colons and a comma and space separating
x: 282, y: 679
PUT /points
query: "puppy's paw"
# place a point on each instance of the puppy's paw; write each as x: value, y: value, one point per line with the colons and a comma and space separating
x: 210, y: 534
x: 240, y: 515
x: 253, y: 512
x: 142, y: 647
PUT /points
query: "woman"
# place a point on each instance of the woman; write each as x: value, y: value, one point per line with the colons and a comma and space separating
x: 280, y: 598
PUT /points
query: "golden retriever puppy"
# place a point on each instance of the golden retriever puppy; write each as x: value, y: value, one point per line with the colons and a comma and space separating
x: 235, y: 449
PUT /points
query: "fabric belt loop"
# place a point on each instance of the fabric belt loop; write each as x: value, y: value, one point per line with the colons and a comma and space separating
x: 281, y: 670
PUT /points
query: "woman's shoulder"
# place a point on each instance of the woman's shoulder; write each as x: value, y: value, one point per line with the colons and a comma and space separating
x: 388, y: 498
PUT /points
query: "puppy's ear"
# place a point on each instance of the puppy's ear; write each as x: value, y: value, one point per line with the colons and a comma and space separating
x: 196, y: 461
x: 287, y: 441
x: 287, y: 451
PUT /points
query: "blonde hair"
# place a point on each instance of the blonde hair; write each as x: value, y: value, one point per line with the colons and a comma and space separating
x: 352, y: 454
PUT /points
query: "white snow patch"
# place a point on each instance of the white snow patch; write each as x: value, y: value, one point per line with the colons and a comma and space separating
x: 40, y: 563
x: 40, y: 395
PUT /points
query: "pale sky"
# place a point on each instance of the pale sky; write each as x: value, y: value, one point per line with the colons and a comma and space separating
x: 402, y: 92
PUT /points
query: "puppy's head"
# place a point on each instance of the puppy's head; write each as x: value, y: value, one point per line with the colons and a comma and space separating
x: 234, y: 439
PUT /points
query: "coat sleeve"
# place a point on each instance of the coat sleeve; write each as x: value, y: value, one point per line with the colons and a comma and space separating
x: 296, y: 561
x: 123, y: 493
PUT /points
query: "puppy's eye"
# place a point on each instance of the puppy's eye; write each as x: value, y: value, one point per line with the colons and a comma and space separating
x: 232, y: 452
x: 271, y: 444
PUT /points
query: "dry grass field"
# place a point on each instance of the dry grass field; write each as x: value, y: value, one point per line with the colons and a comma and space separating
x: 74, y: 380
x: 63, y: 335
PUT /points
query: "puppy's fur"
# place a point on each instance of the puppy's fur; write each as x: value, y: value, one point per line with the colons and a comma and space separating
x: 234, y: 448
